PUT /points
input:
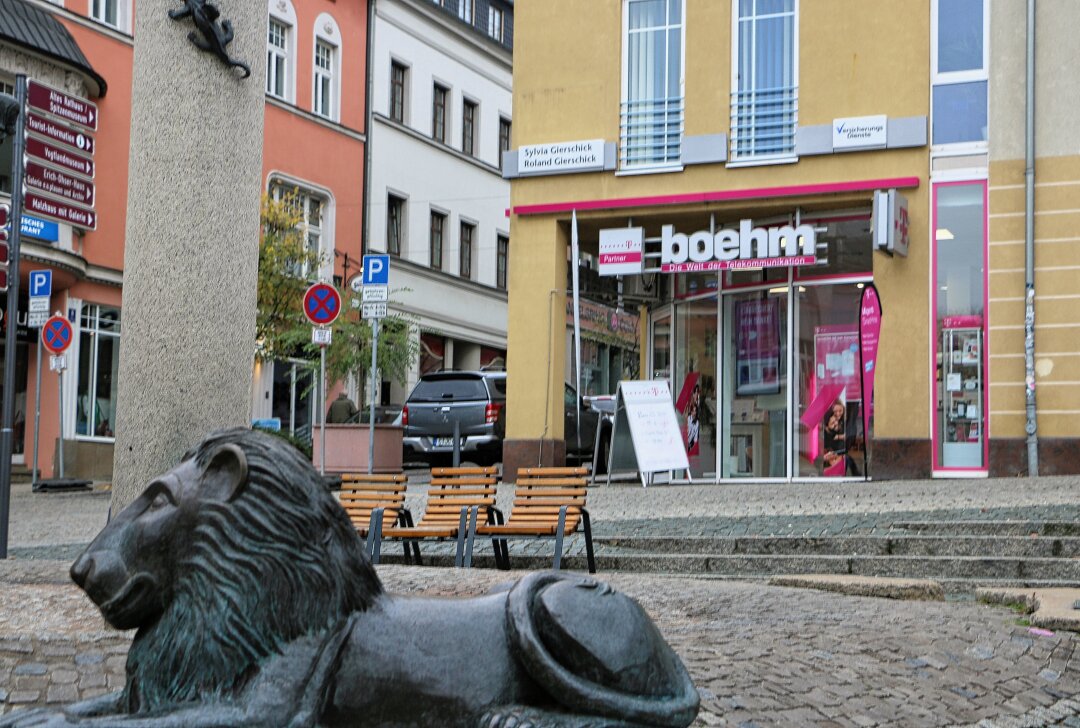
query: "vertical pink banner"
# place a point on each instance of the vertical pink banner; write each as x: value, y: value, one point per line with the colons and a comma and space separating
x: 869, y: 335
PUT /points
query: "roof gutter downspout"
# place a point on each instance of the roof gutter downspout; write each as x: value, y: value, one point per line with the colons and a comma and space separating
x: 1030, y: 427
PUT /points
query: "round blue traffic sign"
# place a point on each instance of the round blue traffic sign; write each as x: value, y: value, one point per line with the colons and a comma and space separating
x: 56, y: 334
x: 322, y: 304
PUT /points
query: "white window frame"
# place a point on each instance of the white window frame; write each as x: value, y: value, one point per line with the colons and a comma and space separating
x: 95, y: 334
x: 758, y: 159
x: 466, y: 11
x: 277, y: 182
x: 328, y: 35
x: 648, y: 167
x: 283, y: 12
x: 123, y: 14
x: 496, y: 33
x: 958, y: 77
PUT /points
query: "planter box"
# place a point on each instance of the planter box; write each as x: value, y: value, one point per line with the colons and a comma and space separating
x: 347, y: 448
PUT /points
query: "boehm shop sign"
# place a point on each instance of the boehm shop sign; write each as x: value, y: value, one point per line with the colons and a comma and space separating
x: 731, y: 248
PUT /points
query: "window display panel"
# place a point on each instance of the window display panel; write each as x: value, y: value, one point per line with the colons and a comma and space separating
x: 960, y: 285
x: 829, y: 424
x: 754, y: 387
x: 695, y: 383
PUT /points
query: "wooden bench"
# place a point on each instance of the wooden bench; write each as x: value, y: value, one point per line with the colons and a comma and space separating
x: 456, y: 497
x: 548, y: 503
x: 374, y: 503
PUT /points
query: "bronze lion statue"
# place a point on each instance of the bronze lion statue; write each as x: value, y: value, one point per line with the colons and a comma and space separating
x: 256, y: 605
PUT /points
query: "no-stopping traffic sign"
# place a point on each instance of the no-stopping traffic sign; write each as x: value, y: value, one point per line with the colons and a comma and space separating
x: 56, y: 334
x: 322, y: 304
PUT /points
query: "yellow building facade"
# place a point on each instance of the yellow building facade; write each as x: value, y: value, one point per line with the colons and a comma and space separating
x: 749, y: 169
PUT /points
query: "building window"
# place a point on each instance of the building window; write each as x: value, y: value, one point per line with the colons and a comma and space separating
x: 438, y: 227
x: 468, y: 231
x: 502, y: 260
x: 504, y: 139
x: 277, y: 59
x: 960, y: 58
x: 651, y: 117
x: 960, y: 292
x: 398, y: 76
x: 323, y: 103
x: 311, y: 209
x: 438, y: 113
x: 109, y: 12
x: 465, y: 10
x: 468, y: 127
x: 765, y: 102
x: 395, y: 221
x: 495, y: 23
x: 99, y: 362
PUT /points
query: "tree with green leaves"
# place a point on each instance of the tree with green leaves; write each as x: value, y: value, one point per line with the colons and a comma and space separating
x: 287, y: 265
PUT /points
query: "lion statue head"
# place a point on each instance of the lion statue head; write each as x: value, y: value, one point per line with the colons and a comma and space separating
x: 220, y: 563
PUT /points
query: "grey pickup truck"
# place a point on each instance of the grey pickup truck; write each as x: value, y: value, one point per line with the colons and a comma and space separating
x: 476, y: 402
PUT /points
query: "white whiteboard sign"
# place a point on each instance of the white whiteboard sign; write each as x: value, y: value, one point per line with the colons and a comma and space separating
x: 658, y: 443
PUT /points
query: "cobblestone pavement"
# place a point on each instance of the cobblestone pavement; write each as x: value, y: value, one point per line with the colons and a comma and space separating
x: 761, y: 655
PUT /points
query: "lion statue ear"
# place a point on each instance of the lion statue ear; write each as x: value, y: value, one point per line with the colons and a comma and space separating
x: 226, y: 474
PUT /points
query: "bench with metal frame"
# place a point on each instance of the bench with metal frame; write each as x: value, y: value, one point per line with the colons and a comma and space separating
x: 548, y: 503
x: 374, y: 503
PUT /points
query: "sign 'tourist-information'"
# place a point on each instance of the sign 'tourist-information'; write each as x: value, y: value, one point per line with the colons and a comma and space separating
x: 59, y: 164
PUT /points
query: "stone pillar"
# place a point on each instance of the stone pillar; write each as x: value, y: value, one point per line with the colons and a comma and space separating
x: 191, y: 252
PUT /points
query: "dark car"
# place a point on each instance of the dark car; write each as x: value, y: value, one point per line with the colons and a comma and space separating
x: 473, y: 401
x: 476, y: 402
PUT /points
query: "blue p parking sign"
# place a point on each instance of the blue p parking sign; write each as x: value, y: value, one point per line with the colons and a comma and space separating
x: 376, y: 270
x: 41, y: 283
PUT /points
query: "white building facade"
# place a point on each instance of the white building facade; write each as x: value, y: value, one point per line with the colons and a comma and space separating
x: 441, y: 119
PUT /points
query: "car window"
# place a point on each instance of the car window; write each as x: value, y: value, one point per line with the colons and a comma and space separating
x: 499, y: 385
x: 438, y: 390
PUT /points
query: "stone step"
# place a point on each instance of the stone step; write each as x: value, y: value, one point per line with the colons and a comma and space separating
x: 972, y: 569
x: 992, y: 528
x: 889, y: 545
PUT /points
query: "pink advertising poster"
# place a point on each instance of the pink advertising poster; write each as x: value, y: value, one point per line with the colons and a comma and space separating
x: 836, y: 358
x: 869, y: 334
x: 757, y: 366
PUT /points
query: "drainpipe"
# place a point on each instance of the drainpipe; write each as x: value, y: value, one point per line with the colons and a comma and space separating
x: 1029, y: 251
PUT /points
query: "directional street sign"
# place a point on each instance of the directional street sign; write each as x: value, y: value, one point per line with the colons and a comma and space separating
x: 37, y: 124
x: 4, y: 250
x: 56, y: 335
x: 60, y: 184
x: 60, y: 157
x: 60, y: 211
x: 5, y: 211
x: 373, y: 311
x: 322, y: 304
x: 5, y: 253
x: 376, y: 294
x: 62, y: 105
x: 376, y: 270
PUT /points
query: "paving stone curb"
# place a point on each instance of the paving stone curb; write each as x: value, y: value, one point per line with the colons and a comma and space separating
x: 866, y: 586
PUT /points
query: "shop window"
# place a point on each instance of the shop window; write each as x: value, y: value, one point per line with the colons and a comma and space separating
x: 468, y: 127
x: 313, y: 210
x: 504, y: 138
x: 439, y: 96
x: 468, y: 232
x: 502, y: 261
x: 399, y: 75
x: 99, y: 362
x: 437, y: 236
x: 395, y: 221
x: 326, y: 68
x: 960, y: 409
x: 765, y: 100
x: 959, y: 58
x: 651, y: 114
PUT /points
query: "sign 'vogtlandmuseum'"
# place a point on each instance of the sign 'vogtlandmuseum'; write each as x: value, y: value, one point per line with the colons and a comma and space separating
x: 746, y: 247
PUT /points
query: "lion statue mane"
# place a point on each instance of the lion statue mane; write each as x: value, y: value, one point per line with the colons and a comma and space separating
x: 256, y: 605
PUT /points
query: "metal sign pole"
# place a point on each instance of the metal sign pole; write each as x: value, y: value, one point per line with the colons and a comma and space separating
x: 322, y: 410
x: 37, y: 417
x: 12, y: 313
x: 374, y: 374
x: 60, y: 406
